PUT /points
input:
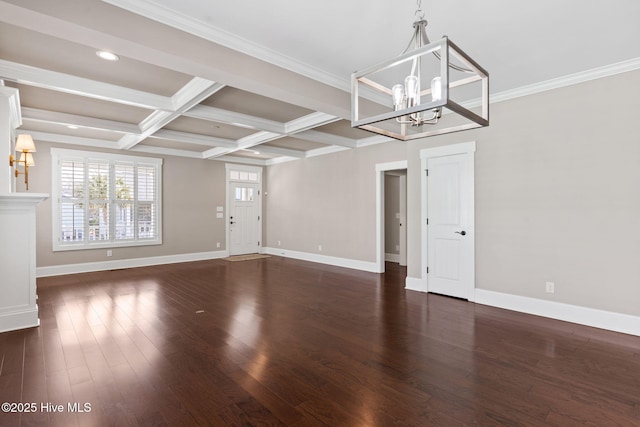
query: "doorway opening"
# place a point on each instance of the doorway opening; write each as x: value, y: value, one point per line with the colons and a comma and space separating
x: 391, y: 202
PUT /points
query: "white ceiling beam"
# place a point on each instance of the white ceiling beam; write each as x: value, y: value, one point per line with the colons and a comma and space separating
x: 194, y: 92
x: 257, y: 139
x: 309, y: 121
x: 71, y: 140
x: 217, y: 152
x: 45, y: 116
x: 60, y: 82
x: 191, y: 94
x: 325, y: 150
x: 281, y: 151
x: 194, y: 138
x: 219, y: 115
x: 373, y: 140
x: 326, y: 138
x: 242, y: 160
x: 167, y: 151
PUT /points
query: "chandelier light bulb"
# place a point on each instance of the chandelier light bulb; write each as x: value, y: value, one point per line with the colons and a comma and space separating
x: 412, y: 88
x: 397, y: 94
x: 436, y: 89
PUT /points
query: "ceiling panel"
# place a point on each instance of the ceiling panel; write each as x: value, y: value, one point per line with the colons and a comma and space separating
x: 50, y: 100
x: 295, y: 144
x: 177, y: 145
x: 244, y: 102
x: 205, y: 127
x: 38, y: 50
x: 250, y: 154
x: 343, y: 128
x: 61, y: 129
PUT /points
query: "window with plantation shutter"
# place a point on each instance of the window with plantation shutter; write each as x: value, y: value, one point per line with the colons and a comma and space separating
x: 105, y: 200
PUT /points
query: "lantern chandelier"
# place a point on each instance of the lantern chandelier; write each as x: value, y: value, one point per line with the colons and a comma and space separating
x: 405, y: 111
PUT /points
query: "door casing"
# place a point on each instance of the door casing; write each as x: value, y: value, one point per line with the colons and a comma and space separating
x: 243, y: 168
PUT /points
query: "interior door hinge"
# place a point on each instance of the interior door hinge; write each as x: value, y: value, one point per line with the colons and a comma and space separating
x: 426, y: 171
x: 427, y: 270
x: 427, y: 221
x: 258, y: 217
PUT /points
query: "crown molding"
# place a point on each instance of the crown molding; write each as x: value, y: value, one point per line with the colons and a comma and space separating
x: 560, y: 82
x: 188, y: 24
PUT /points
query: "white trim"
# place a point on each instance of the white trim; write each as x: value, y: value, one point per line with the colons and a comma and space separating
x: 380, y: 170
x: 13, y: 97
x: 618, y: 322
x: 59, y: 270
x: 425, y: 155
x: 324, y: 259
x: 245, y: 168
x: 568, y: 80
x: 19, y: 319
x: 392, y: 258
x: 415, y: 284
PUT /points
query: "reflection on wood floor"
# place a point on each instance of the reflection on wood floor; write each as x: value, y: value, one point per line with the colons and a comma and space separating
x: 277, y: 341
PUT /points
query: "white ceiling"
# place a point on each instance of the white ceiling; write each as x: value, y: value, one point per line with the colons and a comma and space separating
x: 180, y: 93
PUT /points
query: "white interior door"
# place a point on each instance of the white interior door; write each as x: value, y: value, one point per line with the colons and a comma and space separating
x: 450, y: 241
x: 244, y: 218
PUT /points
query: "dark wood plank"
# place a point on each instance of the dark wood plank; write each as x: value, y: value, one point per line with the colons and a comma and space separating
x: 284, y: 342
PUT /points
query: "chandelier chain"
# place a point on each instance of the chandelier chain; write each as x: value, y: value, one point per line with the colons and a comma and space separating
x: 419, y: 11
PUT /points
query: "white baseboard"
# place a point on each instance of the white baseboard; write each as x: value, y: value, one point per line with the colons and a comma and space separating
x: 22, y: 319
x: 617, y: 322
x: 414, y: 284
x: 392, y: 257
x: 58, y: 270
x: 324, y: 259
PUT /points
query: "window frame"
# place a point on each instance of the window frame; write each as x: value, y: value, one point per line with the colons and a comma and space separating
x: 61, y: 154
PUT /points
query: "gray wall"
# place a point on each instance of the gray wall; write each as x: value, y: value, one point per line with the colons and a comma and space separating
x: 557, y: 195
x: 192, y: 189
x: 327, y: 200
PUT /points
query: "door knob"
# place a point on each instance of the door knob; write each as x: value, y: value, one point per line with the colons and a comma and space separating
x: 463, y: 233
x: 232, y: 222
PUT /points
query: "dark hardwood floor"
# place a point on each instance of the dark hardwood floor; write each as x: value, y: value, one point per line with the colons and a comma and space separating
x: 283, y: 342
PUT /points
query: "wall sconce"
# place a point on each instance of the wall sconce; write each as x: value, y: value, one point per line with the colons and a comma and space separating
x: 24, y: 144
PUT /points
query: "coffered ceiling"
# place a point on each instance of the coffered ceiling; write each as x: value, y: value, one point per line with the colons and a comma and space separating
x: 265, y: 82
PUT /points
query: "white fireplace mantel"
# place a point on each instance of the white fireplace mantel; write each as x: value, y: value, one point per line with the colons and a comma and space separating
x: 18, y: 297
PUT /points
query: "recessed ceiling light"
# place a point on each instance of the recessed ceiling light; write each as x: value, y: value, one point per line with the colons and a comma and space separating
x: 72, y: 126
x: 109, y: 56
x: 256, y: 152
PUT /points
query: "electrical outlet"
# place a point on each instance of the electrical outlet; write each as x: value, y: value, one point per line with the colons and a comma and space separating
x: 278, y: 242
x: 109, y: 252
x: 217, y: 244
x: 550, y: 287
x: 319, y: 248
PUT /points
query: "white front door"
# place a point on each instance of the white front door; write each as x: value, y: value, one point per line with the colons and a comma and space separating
x: 244, y: 218
x: 450, y: 229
